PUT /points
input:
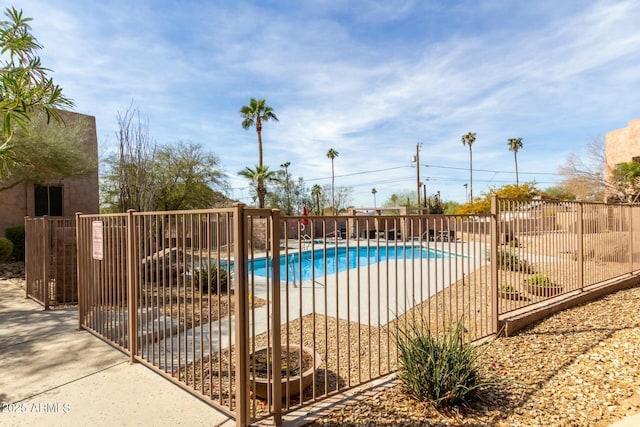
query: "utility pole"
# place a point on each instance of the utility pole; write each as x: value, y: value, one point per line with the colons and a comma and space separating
x: 416, y: 159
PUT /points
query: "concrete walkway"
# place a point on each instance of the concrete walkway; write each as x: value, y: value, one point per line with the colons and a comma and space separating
x: 53, y: 374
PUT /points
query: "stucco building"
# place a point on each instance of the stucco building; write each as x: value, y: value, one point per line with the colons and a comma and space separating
x: 622, y: 145
x: 56, y: 198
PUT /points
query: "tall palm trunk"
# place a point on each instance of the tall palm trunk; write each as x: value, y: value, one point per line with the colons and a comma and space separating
x: 333, y: 199
x: 515, y: 158
x: 470, y: 174
x: 262, y: 192
x: 259, y: 132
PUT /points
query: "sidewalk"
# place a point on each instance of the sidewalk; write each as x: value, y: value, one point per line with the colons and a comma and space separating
x: 53, y: 374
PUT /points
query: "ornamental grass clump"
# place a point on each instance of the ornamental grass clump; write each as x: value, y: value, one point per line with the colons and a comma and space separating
x: 442, y: 369
x: 541, y: 280
x: 508, y: 260
x: 219, y: 282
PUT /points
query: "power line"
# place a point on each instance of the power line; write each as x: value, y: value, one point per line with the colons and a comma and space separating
x: 493, y: 171
x: 438, y: 179
x: 358, y: 173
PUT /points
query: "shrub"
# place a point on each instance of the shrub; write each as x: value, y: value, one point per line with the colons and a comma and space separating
x: 16, y: 235
x: 202, y: 279
x: 6, y: 248
x: 542, y: 280
x: 442, y: 369
x: 508, y: 288
x: 508, y: 260
x: 606, y: 247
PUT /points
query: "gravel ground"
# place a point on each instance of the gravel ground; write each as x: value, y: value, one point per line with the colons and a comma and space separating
x: 577, y: 368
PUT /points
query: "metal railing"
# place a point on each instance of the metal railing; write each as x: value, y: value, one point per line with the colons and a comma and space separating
x: 261, y: 315
x: 50, y: 261
x: 549, y: 249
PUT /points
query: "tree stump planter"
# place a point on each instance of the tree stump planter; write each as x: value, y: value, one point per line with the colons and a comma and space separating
x: 544, y: 291
x: 294, y: 370
x: 511, y: 295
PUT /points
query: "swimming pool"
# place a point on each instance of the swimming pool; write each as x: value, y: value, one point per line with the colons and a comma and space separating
x: 315, y: 264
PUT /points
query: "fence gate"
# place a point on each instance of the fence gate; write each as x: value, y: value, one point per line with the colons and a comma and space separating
x: 50, y: 261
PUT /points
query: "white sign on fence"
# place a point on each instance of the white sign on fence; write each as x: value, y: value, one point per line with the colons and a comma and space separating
x: 97, y: 240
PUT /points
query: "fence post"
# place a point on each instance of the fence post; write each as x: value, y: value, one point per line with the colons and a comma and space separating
x: 27, y: 276
x: 80, y: 268
x: 495, y: 212
x: 630, y: 227
x: 131, y: 290
x: 45, y: 261
x: 242, y: 317
x: 276, y: 333
x: 580, y: 243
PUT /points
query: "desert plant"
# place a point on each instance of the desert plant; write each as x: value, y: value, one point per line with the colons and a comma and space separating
x: 442, y: 369
x: 542, y: 280
x: 206, y: 276
x: 6, y: 248
x: 508, y: 288
x: 508, y: 260
x: 16, y: 235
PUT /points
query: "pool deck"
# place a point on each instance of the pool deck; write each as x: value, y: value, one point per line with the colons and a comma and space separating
x: 352, y: 294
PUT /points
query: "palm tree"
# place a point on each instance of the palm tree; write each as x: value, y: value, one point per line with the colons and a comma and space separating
x: 374, y: 191
x: 287, y: 191
x: 469, y: 139
x: 255, y: 114
x: 316, y: 191
x: 259, y: 176
x: 514, y: 145
x: 332, y: 154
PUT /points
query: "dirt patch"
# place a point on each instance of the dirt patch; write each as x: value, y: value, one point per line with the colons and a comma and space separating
x: 190, y: 307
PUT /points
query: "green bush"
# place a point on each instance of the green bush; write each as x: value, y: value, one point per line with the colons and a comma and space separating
x: 508, y: 288
x: 442, y: 369
x: 508, y: 260
x: 202, y: 279
x: 16, y: 235
x: 542, y: 280
x: 6, y: 248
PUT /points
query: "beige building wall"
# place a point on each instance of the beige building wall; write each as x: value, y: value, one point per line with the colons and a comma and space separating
x: 79, y: 194
x: 622, y: 145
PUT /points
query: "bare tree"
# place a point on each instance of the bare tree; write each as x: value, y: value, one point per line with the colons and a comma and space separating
x: 129, y: 182
x: 585, y: 175
x: 341, y: 195
x: 137, y: 153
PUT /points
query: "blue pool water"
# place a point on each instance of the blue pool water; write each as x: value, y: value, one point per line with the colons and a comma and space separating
x: 320, y: 262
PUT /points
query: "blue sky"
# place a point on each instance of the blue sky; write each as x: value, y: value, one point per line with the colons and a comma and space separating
x: 369, y: 78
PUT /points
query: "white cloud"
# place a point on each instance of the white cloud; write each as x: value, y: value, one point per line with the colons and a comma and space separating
x: 370, y: 79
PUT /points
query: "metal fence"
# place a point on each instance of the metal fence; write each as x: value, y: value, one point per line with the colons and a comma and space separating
x: 550, y: 249
x: 261, y: 314
x: 50, y: 261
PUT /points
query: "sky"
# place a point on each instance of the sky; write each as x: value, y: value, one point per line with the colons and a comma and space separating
x: 373, y: 79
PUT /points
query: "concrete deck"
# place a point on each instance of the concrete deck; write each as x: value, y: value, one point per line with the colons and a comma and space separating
x: 53, y: 374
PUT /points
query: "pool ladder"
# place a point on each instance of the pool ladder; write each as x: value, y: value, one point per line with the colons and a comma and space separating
x: 292, y: 268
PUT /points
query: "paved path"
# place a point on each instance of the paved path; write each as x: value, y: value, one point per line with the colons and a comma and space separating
x: 53, y: 374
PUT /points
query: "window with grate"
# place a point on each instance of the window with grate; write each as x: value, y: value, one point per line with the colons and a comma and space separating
x: 48, y: 200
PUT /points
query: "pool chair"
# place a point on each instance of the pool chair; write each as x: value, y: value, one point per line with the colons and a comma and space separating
x: 446, y: 236
x: 429, y: 235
